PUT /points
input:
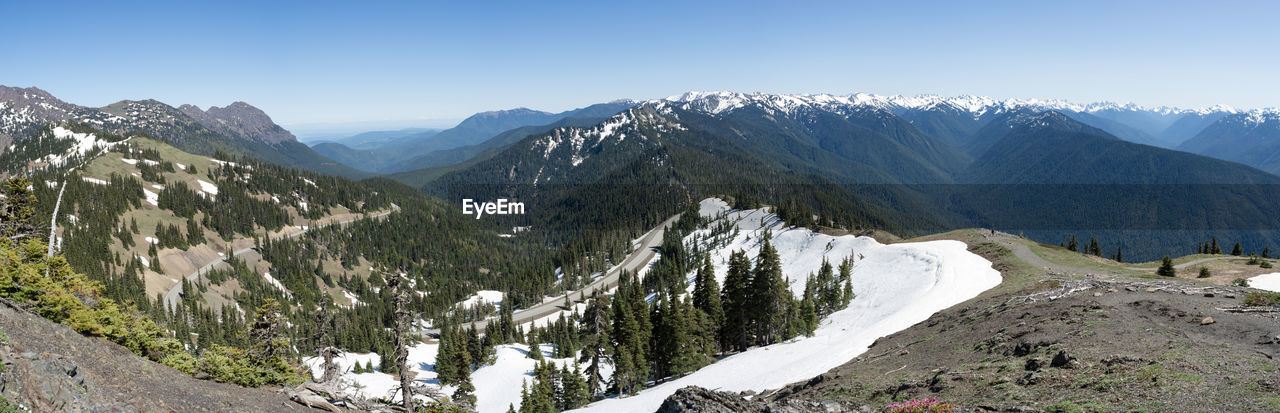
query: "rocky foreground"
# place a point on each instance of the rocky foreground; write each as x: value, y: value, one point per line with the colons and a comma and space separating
x: 49, y: 367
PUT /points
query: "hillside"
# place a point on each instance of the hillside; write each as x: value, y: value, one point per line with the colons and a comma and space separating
x: 238, y: 129
x: 1083, y: 336
x: 1249, y: 138
x: 50, y: 367
x: 469, y: 138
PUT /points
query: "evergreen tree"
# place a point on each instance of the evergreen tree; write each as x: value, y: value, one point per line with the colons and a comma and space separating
x: 1237, y: 250
x: 465, y: 395
x: 808, y: 312
x: 706, y: 292
x: 1266, y: 252
x: 1166, y: 267
x: 574, y: 388
x: 1213, y: 246
x: 735, y: 331
x: 1094, y: 248
x: 768, y: 297
x: 595, y: 341
x: 1071, y: 243
x: 846, y: 277
x: 1119, y: 255
x: 630, y: 363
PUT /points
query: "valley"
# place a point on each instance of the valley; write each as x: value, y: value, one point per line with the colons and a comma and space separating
x: 707, y: 250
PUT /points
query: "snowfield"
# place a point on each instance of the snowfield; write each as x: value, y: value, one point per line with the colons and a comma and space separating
x: 208, y: 187
x: 93, y: 180
x: 483, y: 296
x: 497, y: 385
x: 897, y: 286
x: 152, y: 197
x: 1269, y: 282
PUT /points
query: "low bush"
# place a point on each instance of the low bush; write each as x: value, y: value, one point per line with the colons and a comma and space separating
x: 929, y: 405
x: 1262, y: 299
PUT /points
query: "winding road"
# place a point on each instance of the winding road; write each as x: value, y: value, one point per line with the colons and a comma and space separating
x: 643, y: 251
x: 171, y: 297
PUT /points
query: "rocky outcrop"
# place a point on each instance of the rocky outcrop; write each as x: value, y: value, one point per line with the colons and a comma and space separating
x: 241, y: 120
x: 697, y: 399
x: 49, y: 367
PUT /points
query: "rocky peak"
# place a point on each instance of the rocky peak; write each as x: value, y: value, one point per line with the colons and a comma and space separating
x: 239, y: 119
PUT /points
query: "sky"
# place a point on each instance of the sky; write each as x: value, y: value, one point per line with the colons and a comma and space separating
x: 311, y: 63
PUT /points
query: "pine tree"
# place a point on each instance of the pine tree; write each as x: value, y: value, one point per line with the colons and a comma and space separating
x: 574, y: 388
x: 706, y: 292
x: 1266, y: 252
x: 595, y: 341
x: 465, y: 395
x: 1213, y: 246
x: 1166, y: 267
x: 808, y: 312
x: 735, y: 331
x: 1204, y: 272
x: 1119, y: 255
x: 1071, y: 243
x: 846, y: 277
x: 627, y: 356
x: 768, y: 297
x: 1094, y: 248
x: 1237, y: 250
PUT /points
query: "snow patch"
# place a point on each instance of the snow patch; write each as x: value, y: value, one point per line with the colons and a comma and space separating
x: 152, y: 197
x: 481, y: 297
x: 207, y: 187
x: 272, y: 280
x: 1269, y: 282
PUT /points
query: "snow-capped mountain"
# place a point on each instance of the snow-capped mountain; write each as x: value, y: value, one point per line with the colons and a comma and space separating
x: 976, y: 106
x: 951, y: 119
x: 1251, y: 138
x: 24, y: 111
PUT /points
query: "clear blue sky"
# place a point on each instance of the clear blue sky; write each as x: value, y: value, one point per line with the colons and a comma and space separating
x: 310, y: 62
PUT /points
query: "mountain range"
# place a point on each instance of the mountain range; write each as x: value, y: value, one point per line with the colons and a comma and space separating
x: 238, y: 128
x: 881, y: 153
x: 426, y: 149
x: 1006, y: 165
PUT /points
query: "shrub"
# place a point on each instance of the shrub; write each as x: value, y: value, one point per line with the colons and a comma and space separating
x: 1240, y: 282
x: 1265, y: 264
x: 1204, y: 272
x: 67, y: 297
x: 929, y: 405
x: 1262, y: 299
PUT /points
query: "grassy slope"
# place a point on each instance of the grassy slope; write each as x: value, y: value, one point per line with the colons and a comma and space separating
x: 176, y: 263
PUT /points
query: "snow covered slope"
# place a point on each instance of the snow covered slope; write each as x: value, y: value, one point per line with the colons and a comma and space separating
x: 497, y: 385
x: 897, y: 286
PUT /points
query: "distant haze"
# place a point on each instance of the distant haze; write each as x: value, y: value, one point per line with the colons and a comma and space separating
x: 314, y: 132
